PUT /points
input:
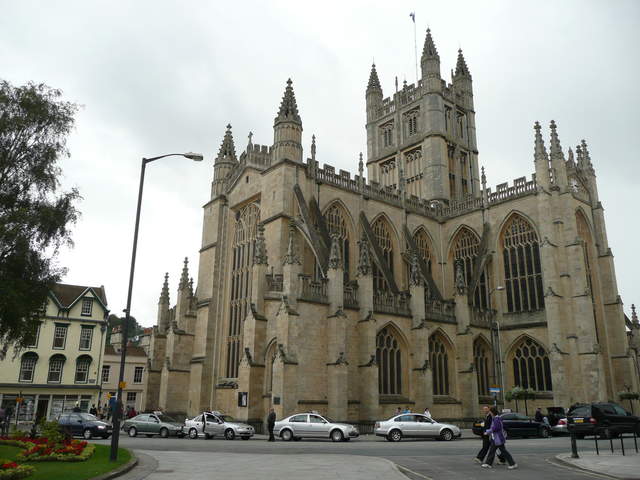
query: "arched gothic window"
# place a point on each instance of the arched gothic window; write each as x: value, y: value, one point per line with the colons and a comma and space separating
x: 335, y: 219
x: 483, y: 364
x: 269, y: 361
x: 465, y: 248
x: 522, y: 269
x: 28, y: 366
x: 389, y: 359
x: 56, y: 364
x: 382, y: 232
x: 243, y: 245
x: 531, y: 366
x: 83, y: 362
x: 421, y: 240
x: 439, y: 365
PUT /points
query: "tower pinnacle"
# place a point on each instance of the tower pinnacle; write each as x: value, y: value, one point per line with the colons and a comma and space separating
x: 429, y: 49
x: 288, y: 107
x: 541, y: 160
x: 184, y: 278
x: 227, y: 150
x: 461, y: 66
x: 164, y: 294
x: 374, y: 81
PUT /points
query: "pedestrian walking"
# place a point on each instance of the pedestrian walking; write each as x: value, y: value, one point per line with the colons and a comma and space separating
x: 486, y: 439
x: 498, y: 441
x: 271, y: 423
x: 427, y: 413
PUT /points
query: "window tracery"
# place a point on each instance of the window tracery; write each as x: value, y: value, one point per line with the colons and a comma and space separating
x: 531, y: 366
x: 335, y: 218
x: 382, y: 232
x: 483, y: 364
x: 439, y: 365
x: 242, y: 247
x: 389, y: 359
x: 465, y: 248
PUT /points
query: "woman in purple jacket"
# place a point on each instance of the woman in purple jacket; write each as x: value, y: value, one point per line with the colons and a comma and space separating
x: 498, y: 440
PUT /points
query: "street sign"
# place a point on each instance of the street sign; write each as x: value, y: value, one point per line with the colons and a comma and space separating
x: 122, y: 385
x: 494, y: 390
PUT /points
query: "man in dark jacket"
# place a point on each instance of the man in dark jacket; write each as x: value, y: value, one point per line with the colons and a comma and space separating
x: 538, y: 416
x: 271, y: 423
x: 486, y: 439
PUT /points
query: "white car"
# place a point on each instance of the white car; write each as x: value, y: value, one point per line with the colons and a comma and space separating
x: 302, y: 425
x: 211, y: 424
x: 415, y: 425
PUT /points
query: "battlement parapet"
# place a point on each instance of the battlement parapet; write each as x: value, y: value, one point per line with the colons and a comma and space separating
x: 520, y: 188
x: 405, y: 96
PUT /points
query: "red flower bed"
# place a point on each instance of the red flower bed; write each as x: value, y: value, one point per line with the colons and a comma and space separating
x: 40, y: 449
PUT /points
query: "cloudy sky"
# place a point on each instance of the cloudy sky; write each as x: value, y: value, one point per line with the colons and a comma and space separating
x: 157, y: 77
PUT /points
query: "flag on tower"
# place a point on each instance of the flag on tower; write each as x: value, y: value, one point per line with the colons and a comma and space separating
x: 413, y: 16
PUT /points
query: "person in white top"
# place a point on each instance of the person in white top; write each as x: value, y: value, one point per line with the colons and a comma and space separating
x: 427, y: 413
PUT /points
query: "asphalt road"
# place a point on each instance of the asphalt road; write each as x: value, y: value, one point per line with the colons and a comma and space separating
x: 423, y: 458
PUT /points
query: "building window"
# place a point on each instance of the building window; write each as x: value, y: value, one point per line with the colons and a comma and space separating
x: 460, y: 124
x: 131, y: 397
x: 59, y: 336
x: 421, y: 239
x: 82, y: 368
x: 389, y: 359
x: 522, y: 268
x: 447, y: 119
x: 382, y: 232
x: 86, y: 334
x: 56, y: 364
x: 106, y: 370
x: 389, y: 173
x: 243, y: 244
x: 87, y: 306
x: 387, y: 134
x: 34, y: 344
x: 465, y: 248
x: 483, y: 365
x: 439, y: 365
x: 412, y: 122
x: 335, y: 219
x: 137, y: 375
x: 531, y: 366
x: 28, y: 366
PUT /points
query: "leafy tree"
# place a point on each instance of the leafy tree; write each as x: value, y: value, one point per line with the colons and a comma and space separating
x: 35, y: 216
x: 134, y: 328
x: 519, y: 393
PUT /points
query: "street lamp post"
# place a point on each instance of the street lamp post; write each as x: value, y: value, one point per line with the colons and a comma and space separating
x: 127, y: 311
x: 495, y: 343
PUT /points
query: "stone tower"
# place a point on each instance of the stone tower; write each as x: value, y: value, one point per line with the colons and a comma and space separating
x: 424, y: 136
x: 287, y: 129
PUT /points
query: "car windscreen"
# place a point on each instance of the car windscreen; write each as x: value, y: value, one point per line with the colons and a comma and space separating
x: 226, y: 418
x: 166, y: 419
x: 328, y: 420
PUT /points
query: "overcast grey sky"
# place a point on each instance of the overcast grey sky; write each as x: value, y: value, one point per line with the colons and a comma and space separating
x: 157, y: 77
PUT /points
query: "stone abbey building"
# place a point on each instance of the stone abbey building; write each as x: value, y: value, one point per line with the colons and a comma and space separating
x: 413, y: 285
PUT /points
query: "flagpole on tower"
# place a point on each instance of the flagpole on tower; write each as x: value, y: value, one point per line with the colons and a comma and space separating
x: 415, y: 43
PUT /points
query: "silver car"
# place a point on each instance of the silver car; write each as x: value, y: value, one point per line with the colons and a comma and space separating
x: 302, y: 425
x: 211, y: 424
x: 415, y: 425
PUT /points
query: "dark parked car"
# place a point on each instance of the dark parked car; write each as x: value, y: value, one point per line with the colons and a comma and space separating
x: 555, y: 414
x: 605, y: 419
x: 517, y: 425
x: 85, y: 424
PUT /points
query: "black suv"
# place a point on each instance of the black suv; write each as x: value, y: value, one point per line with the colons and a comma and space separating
x: 85, y: 424
x: 603, y: 418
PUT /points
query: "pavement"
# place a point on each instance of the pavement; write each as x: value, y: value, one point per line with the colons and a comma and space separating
x: 367, y: 457
x: 614, y: 465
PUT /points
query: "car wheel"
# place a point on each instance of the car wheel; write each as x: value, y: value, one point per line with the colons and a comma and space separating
x: 395, y: 436
x: 164, y: 432
x: 148, y: 435
x: 87, y: 434
x: 544, y: 433
x: 229, y: 434
x: 193, y: 434
x: 337, y: 435
x: 446, y: 435
x: 132, y: 432
x: 286, y: 435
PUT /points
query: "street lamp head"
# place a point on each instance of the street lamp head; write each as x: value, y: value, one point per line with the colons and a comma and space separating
x: 499, y: 288
x: 197, y: 157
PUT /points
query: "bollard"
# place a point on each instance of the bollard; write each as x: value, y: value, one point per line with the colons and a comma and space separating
x: 574, y: 446
x: 611, y: 442
x: 622, y: 443
x: 595, y: 438
x: 635, y: 440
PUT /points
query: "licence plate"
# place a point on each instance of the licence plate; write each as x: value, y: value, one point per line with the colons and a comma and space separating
x: 578, y: 420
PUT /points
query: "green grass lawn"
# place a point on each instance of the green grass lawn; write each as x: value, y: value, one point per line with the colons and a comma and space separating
x: 98, y: 463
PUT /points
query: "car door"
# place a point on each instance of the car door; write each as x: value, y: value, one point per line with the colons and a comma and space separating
x: 625, y: 422
x: 299, y: 425
x: 75, y: 422
x: 422, y: 426
x: 404, y: 423
x: 141, y: 422
x: 154, y: 424
x: 217, y: 425
x: 318, y: 426
x: 197, y: 422
x: 211, y: 423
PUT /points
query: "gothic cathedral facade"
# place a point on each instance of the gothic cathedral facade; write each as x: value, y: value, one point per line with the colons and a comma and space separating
x: 416, y: 285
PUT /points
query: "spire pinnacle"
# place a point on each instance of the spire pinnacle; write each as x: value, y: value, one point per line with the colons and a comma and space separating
x: 291, y: 258
x: 540, y: 149
x: 184, y: 278
x: 313, y: 147
x: 586, y: 157
x: 634, y: 316
x: 557, y: 158
x: 260, y: 249
x: 288, y: 107
x: 227, y: 150
x: 191, y: 291
x: 461, y: 66
x: 364, y: 259
x: 570, y: 161
x: 429, y: 49
x: 335, y: 258
x: 164, y: 294
x: 374, y: 81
